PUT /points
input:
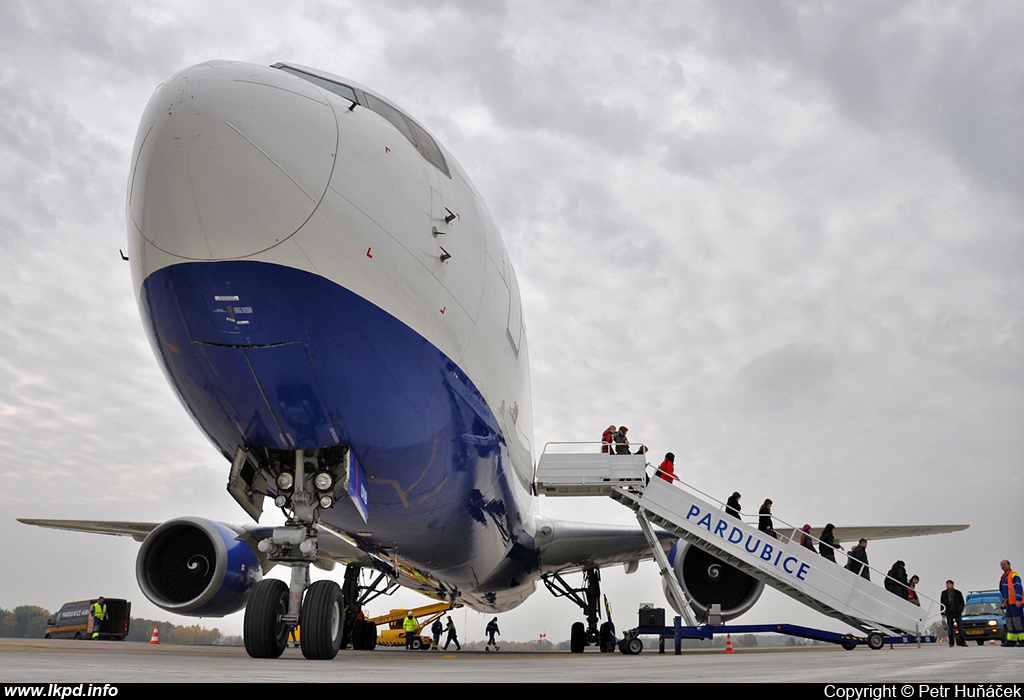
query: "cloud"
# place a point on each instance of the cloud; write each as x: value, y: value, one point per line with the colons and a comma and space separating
x: 780, y: 240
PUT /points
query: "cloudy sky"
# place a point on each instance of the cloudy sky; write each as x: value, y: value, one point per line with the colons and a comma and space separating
x: 783, y: 240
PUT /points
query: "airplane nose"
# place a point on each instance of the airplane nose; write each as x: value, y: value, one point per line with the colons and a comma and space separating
x: 215, y: 176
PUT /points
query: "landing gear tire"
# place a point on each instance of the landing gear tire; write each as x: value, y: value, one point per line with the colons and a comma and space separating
x: 578, y: 638
x: 265, y: 634
x: 607, y: 643
x: 876, y: 641
x: 634, y: 646
x: 849, y: 646
x: 322, y: 621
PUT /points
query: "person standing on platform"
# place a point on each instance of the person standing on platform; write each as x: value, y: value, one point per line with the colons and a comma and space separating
x: 621, y: 441
x: 606, y: 439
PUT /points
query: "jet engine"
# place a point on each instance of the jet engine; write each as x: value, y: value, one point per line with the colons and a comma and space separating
x: 193, y: 566
x: 706, y: 580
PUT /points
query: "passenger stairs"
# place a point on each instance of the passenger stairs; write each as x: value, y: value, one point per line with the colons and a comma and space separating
x: 578, y: 469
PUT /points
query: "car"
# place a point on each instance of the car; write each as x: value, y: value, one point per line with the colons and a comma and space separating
x: 984, y: 618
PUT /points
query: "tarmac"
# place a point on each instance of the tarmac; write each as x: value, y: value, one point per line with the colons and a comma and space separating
x: 99, y: 662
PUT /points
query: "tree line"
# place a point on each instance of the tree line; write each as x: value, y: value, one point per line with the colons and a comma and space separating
x: 30, y: 622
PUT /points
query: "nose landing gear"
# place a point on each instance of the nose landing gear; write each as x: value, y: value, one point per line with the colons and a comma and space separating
x: 274, y: 607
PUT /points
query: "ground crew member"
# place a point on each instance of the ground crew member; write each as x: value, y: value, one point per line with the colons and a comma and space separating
x: 452, y: 636
x: 492, y: 629
x: 436, y: 629
x: 411, y: 626
x: 1013, y: 600
x: 98, y: 613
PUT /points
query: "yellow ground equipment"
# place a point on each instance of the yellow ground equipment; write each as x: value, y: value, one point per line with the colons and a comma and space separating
x: 394, y: 634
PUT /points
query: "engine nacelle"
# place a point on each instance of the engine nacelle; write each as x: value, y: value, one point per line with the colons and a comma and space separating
x: 193, y: 566
x: 706, y: 580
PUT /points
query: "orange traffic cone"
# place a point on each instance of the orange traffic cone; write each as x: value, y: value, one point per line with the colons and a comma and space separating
x: 728, y: 644
x: 155, y: 639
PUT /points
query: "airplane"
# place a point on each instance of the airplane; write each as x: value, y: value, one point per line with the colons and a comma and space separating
x: 329, y: 298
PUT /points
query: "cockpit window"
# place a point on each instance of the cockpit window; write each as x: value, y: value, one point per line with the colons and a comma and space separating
x: 396, y: 118
x: 337, y: 88
x: 428, y: 148
x: 417, y: 135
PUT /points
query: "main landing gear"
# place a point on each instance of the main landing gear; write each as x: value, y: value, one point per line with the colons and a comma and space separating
x: 588, y: 598
x: 359, y: 632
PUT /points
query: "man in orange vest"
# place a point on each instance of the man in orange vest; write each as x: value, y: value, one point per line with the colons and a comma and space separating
x: 1013, y: 600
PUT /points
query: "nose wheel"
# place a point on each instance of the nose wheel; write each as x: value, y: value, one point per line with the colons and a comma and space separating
x: 266, y: 632
x: 275, y: 608
x: 322, y: 621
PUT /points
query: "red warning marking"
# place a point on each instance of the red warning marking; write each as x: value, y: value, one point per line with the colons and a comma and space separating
x: 387, y: 150
x: 442, y: 310
x: 368, y: 252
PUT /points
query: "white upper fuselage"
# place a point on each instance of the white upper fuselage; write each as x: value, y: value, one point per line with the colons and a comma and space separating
x: 263, y: 211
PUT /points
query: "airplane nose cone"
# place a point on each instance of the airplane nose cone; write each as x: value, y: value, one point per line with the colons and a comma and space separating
x: 215, y: 176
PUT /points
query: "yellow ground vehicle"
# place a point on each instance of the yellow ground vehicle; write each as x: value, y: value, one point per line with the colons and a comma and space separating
x: 394, y: 634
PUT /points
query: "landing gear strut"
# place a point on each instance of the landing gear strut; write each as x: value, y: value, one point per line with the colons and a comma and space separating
x: 275, y: 608
x: 588, y: 598
x: 359, y: 632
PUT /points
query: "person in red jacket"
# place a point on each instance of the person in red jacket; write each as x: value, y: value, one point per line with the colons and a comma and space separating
x: 606, y: 439
x: 667, y: 469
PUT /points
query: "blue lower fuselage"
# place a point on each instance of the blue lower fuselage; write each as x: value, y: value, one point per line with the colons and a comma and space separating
x: 271, y: 356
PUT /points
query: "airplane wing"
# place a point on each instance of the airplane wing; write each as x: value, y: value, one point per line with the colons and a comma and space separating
x: 878, y: 532
x: 572, y: 545
x: 137, y: 531
x: 333, y: 547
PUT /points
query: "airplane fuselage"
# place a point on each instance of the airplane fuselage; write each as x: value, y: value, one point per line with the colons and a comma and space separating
x: 314, y: 274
